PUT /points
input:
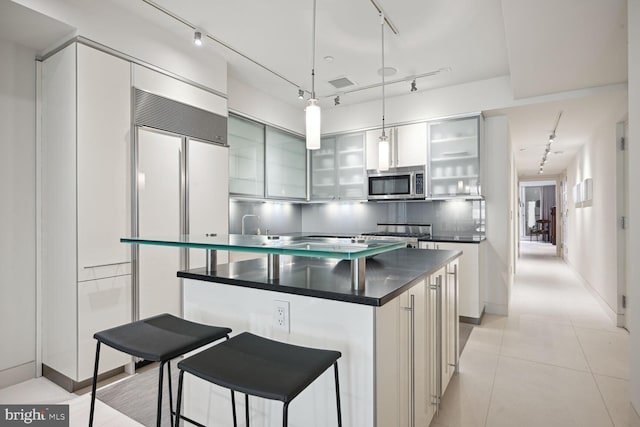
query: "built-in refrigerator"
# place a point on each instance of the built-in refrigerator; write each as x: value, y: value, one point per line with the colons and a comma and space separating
x: 181, y: 187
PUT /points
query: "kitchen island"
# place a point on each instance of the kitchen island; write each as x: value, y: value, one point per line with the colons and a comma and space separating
x: 397, y: 335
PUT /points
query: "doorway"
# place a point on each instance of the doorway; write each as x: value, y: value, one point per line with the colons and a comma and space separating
x: 538, y: 212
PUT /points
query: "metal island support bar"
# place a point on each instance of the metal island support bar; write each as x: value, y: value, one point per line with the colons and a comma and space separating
x: 354, y: 250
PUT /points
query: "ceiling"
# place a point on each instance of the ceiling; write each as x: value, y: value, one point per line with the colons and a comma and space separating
x: 544, y: 46
x: 17, y: 24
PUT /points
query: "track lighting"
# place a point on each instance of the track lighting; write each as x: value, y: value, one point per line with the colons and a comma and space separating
x: 197, y: 38
x: 413, y: 86
x: 552, y: 137
x: 336, y: 100
x: 300, y: 94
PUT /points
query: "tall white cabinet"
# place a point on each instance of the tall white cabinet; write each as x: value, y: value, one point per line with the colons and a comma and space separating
x: 86, y: 271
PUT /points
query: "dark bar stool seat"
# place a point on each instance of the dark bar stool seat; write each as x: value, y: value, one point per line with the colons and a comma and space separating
x: 158, y: 339
x: 260, y: 367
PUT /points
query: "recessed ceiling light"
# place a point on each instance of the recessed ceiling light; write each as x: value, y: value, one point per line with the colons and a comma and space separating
x: 328, y: 58
x: 388, y: 71
x: 558, y: 152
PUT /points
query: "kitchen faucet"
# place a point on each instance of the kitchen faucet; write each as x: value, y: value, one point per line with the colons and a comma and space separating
x: 250, y: 215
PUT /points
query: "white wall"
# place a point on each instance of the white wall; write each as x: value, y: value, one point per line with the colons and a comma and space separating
x: 633, y: 12
x: 17, y: 206
x: 591, y: 230
x: 264, y: 108
x: 497, y: 188
x: 107, y: 23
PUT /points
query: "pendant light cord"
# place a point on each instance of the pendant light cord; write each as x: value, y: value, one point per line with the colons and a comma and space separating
x: 382, y: 71
x: 313, y: 54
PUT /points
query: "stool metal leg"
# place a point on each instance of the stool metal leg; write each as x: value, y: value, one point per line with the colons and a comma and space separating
x: 170, y: 391
x: 160, y: 384
x: 179, y: 402
x: 246, y: 409
x: 335, y: 368
x: 285, y: 415
x: 233, y: 406
x: 94, y: 384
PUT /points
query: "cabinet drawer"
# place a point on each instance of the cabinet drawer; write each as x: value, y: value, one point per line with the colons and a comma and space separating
x: 102, y: 304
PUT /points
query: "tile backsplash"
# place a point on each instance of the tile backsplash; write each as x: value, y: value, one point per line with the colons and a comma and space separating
x: 448, y: 217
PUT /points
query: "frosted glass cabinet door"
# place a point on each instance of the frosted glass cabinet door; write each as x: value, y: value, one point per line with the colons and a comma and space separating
x: 286, y: 165
x: 350, y: 160
x: 455, y: 160
x: 246, y: 157
x: 159, y: 214
x: 323, y: 170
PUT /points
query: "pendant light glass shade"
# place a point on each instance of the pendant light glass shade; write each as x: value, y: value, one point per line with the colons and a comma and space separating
x: 312, y: 113
x: 383, y: 153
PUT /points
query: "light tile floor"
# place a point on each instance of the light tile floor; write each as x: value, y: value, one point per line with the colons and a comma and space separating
x: 556, y: 360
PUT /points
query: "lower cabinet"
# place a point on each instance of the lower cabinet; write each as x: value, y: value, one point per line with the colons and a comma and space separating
x: 416, y: 350
x: 471, y: 277
x: 102, y: 304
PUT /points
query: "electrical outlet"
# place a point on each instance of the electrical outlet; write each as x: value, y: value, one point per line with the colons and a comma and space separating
x: 281, y: 315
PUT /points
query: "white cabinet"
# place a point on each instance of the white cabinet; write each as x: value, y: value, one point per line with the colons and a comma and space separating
x: 408, y: 145
x: 286, y: 165
x: 416, y: 349
x: 471, y: 303
x: 338, y: 168
x: 404, y: 359
x: 86, y: 107
x: 454, y: 157
x: 102, y: 304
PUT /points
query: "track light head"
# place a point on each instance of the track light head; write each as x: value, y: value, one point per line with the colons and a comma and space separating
x: 336, y: 100
x: 413, y: 86
x: 552, y: 137
x: 197, y: 38
x: 300, y: 94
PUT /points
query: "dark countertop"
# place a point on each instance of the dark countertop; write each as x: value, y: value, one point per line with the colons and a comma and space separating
x: 387, y: 275
x: 476, y: 238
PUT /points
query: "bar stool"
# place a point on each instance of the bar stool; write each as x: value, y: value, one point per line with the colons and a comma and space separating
x: 260, y: 367
x: 158, y: 339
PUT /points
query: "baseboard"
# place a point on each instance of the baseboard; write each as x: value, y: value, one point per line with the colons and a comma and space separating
x: 70, y: 385
x: 17, y: 374
x: 472, y: 320
x: 611, y: 314
x: 634, y: 418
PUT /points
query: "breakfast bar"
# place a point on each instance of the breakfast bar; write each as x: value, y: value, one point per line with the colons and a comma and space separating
x: 397, y: 333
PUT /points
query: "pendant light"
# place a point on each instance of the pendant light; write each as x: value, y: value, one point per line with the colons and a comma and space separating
x: 383, y: 143
x: 312, y: 112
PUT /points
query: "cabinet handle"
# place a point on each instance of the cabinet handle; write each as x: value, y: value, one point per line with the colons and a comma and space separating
x: 456, y: 319
x: 438, y: 288
x: 412, y: 360
x: 107, y: 265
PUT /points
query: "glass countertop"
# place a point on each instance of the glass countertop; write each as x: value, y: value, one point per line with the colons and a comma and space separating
x: 321, y: 247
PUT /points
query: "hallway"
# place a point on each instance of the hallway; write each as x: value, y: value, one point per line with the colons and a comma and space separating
x: 556, y: 360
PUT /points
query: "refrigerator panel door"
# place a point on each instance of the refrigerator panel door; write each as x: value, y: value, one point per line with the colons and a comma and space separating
x: 159, y: 183
x: 208, y: 198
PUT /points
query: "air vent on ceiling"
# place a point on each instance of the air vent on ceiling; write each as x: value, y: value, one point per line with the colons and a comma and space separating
x: 342, y: 82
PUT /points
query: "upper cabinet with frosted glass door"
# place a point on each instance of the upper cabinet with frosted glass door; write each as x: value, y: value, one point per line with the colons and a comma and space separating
x: 246, y: 157
x: 454, y: 153
x: 286, y: 165
x: 338, y: 168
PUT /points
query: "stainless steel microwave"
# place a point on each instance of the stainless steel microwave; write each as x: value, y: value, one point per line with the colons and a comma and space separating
x: 397, y: 184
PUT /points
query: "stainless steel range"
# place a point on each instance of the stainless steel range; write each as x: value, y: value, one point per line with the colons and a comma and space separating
x: 409, y: 233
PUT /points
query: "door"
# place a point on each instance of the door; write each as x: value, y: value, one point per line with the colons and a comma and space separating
x: 159, y: 192
x: 208, y: 196
x: 411, y: 145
